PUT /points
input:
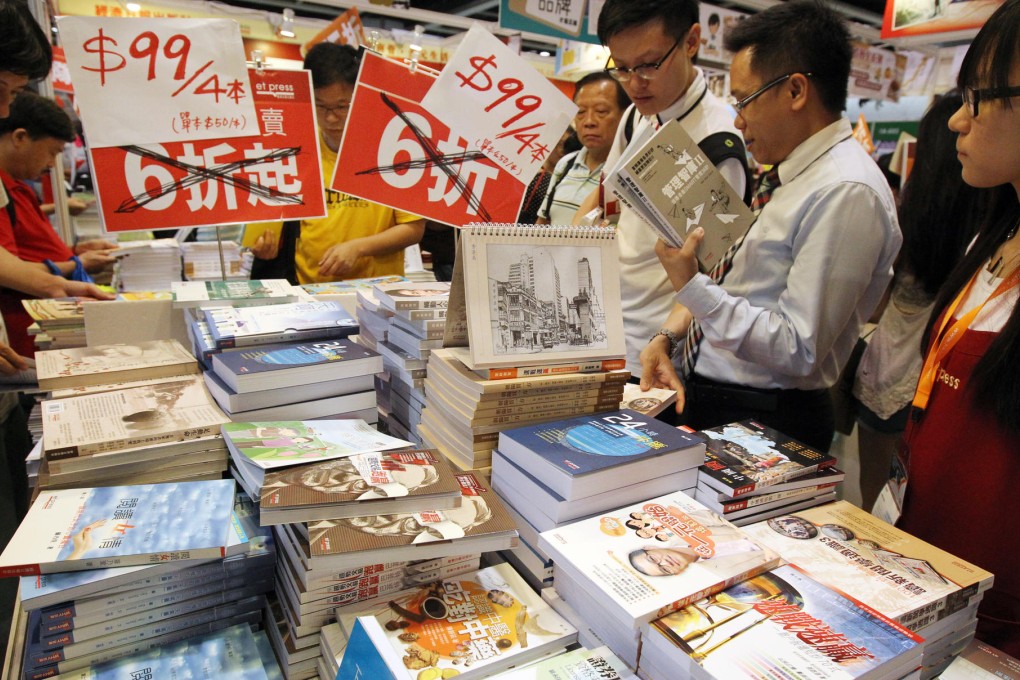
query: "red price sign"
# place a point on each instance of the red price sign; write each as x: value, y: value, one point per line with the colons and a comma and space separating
x: 275, y: 175
x: 505, y: 108
x: 346, y: 29
x: 163, y: 73
x: 395, y: 152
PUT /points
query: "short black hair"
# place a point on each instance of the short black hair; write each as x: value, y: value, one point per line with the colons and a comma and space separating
x: 800, y: 36
x: 39, y: 116
x: 677, y: 16
x: 622, y: 100
x: 331, y: 63
x: 24, y: 49
x: 993, y: 52
x: 713, y: 18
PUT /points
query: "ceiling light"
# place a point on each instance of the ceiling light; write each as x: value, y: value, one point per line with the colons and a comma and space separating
x: 286, y: 29
x: 133, y: 7
x: 545, y: 53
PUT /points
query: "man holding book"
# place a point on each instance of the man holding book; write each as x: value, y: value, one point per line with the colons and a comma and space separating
x: 653, y: 46
x: 777, y: 330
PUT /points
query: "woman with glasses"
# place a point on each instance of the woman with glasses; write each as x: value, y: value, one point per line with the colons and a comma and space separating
x: 962, y: 447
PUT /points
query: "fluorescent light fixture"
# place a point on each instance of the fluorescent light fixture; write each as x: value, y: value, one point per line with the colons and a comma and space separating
x: 133, y: 7
x: 545, y: 53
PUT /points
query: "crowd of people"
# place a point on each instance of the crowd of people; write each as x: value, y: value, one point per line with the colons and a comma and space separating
x: 766, y: 333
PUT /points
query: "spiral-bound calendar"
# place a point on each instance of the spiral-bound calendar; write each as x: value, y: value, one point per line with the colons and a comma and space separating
x: 527, y: 295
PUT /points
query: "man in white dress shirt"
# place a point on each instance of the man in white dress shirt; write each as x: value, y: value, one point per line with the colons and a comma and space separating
x: 813, y: 267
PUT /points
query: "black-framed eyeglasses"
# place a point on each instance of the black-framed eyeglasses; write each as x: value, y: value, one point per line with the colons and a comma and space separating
x: 973, y: 97
x: 642, y: 71
x: 741, y: 104
x: 338, y: 110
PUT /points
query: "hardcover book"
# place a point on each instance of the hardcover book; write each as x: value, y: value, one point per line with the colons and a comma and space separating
x: 587, y: 455
x: 364, y: 484
x: 537, y: 295
x: 645, y: 560
x: 468, y: 626
x: 413, y: 295
x: 296, y: 321
x: 788, y: 625
x: 673, y: 186
x: 172, y: 411
x: 908, y: 580
x: 118, y: 526
x: 294, y: 364
x: 200, y: 293
x: 103, y: 364
x: 747, y: 456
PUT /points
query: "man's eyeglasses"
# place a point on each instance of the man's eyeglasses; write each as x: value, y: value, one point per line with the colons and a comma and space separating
x: 642, y: 71
x: 338, y: 110
x: 741, y: 104
x: 973, y: 97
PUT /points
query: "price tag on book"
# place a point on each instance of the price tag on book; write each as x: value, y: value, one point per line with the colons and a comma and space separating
x: 275, y: 175
x: 176, y: 79
x: 505, y: 108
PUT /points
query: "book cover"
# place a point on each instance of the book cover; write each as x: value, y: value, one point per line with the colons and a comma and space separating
x: 463, y: 355
x: 980, y: 661
x: 172, y: 411
x: 566, y: 453
x: 367, y: 654
x: 670, y: 182
x: 469, y: 626
x: 294, y: 364
x: 189, y: 293
x: 709, y: 498
x: 75, y: 529
x: 645, y: 560
x: 580, y: 664
x: 261, y: 325
x: 788, y: 626
x: 413, y: 295
x: 350, y: 286
x: 901, y: 576
x: 56, y: 312
x: 748, y: 456
x: 649, y: 402
x: 537, y: 295
x: 362, y: 484
x: 102, y: 364
x: 480, y: 515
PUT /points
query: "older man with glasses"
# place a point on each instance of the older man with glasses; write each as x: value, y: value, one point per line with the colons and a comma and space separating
x: 771, y: 337
x: 653, y: 45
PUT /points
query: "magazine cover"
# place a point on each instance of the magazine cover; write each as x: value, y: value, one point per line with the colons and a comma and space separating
x: 540, y: 294
x: 283, y: 443
x: 100, y: 364
x: 171, y: 411
x: 236, y: 326
x: 73, y: 529
x: 788, y: 626
x: 746, y: 456
x: 645, y: 560
x: 901, y: 576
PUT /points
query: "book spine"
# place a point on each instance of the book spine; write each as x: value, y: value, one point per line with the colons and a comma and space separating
x: 83, y: 450
x: 578, y: 380
x: 755, y: 501
x: 102, y: 562
x: 553, y: 369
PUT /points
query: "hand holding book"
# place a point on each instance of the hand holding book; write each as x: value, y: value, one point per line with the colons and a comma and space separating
x: 681, y: 264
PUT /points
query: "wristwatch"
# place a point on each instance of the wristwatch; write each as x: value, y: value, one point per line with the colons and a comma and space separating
x: 674, y: 340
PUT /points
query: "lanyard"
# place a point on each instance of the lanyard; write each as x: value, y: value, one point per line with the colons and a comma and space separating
x: 945, y: 340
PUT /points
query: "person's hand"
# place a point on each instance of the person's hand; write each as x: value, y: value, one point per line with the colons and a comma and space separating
x: 339, y: 260
x: 94, y: 244
x: 96, y: 260
x: 681, y: 264
x: 10, y: 361
x: 76, y: 206
x: 65, y: 288
x: 657, y: 369
x: 266, y: 246
x: 84, y: 539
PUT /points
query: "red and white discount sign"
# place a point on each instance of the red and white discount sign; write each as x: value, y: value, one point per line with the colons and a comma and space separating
x: 346, y: 29
x: 139, y: 81
x: 396, y: 153
x: 274, y: 175
x: 501, y: 104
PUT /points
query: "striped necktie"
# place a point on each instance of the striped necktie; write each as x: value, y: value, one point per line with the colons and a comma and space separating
x: 767, y: 183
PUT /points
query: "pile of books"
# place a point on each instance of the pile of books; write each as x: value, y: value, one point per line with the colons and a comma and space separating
x: 57, y: 323
x: 465, y: 410
x: 555, y: 473
x: 752, y: 472
x: 346, y: 292
x: 921, y: 587
x: 620, y: 570
x: 202, y: 261
x: 179, y: 576
x: 191, y: 294
x: 147, y: 265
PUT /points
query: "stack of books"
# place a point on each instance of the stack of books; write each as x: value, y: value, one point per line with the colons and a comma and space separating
x: 147, y: 265
x: 57, y: 323
x: 470, y: 626
x: 752, y: 472
x: 190, y: 294
x: 780, y: 624
x: 555, y: 473
x: 295, y: 381
x: 620, y: 570
x: 202, y: 261
x: 131, y: 572
x: 921, y: 587
x: 417, y: 318
x: 346, y: 292
x: 465, y: 410
x: 266, y: 324
x: 108, y: 364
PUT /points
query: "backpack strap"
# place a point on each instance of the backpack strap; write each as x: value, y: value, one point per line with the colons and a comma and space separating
x: 568, y: 162
x: 722, y: 146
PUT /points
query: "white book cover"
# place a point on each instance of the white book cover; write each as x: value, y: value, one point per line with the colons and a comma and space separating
x: 103, y: 364
x: 265, y: 291
x: 116, y: 526
x: 647, y: 559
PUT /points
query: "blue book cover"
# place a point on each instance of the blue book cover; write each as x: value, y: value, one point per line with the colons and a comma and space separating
x: 330, y: 358
x: 362, y: 658
x: 117, y: 526
x: 236, y: 326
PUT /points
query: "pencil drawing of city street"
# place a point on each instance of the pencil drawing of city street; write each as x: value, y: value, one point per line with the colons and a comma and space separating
x: 545, y: 298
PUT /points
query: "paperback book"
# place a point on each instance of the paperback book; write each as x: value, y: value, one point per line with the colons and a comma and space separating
x: 825, y: 477
x: 747, y: 456
x: 202, y: 293
x: 103, y: 364
x: 645, y: 560
x: 263, y: 325
x: 52, y: 313
x: 412, y: 295
x: 463, y: 355
x: 649, y: 402
x: 76, y: 529
x: 350, y: 286
x: 294, y: 364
